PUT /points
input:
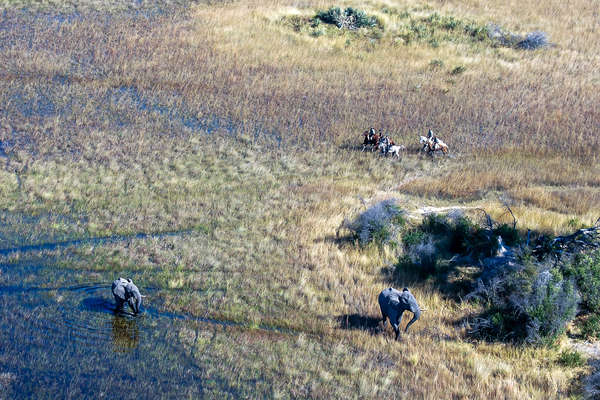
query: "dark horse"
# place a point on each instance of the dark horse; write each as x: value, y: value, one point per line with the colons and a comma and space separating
x: 371, y: 138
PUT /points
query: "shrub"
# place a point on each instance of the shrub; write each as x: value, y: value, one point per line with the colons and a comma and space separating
x: 585, y: 269
x: 412, y: 237
x: 380, y: 223
x: 509, y: 235
x: 349, y: 18
x: 406, y: 264
x: 423, y: 254
x: 458, y: 70
x: 533, y: 40
x: 550, y: 305
x: 591, y: 327
x: 532, y: 304
x: 435, y: 224
x: 460, y: 235
x: 571, y: 359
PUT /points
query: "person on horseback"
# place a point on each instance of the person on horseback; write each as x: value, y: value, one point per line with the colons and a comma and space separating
x: 433, y: 140
x: 371, y: 133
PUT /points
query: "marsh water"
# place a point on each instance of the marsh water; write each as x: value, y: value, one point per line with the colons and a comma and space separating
x: 67, y: 340
x: 61, y: 335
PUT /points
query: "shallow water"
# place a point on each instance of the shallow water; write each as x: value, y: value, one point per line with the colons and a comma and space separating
x: 70, y: 341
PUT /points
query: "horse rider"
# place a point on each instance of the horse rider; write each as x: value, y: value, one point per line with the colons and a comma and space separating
x: 371, y: 133
x: 433, y: 140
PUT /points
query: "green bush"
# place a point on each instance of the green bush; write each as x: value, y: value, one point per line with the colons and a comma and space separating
x: 571, y: 359
x: 509, y: 235
x: 585, y: 269
x: 550, y: 305
x: 458, y: 70
x: 349, y: 18
x: 460, y: 236
x: 532, y: 304
x: 412, y: 237
x: 477, y: 32
x: 417, y: 261
x: 591, y: 327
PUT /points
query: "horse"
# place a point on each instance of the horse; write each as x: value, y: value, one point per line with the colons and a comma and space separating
x: 395, y: 150
x: 370, y: 139
x: 431, y: 146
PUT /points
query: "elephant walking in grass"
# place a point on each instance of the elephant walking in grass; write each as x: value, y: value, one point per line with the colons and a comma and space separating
x: 393, y: 303
x: 124, y: 291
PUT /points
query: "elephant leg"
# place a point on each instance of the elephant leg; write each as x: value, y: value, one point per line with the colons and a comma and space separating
x: 120, y: 303
x: 384, y: 318
x: 397, y: 324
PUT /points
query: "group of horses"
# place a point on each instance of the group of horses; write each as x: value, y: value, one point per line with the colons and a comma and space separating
x: 383, y: 143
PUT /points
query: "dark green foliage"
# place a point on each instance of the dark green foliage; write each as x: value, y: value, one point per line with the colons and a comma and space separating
x: 418, y: 262
x: 591, y: 327
x: 477, y: 32
x: 460, y: 236
x: 458, y: 70
x: 532, y: 304
x: 550, y: 305
x: 571, y: 359
x: 349, y: 18
x: 435, y: 224
x: 509, y: 235
x: 585, y: 269
x: 413, y: 237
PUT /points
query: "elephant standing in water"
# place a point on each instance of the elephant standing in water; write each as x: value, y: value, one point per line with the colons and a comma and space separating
x: 125, y: 290
x: 393, y: 303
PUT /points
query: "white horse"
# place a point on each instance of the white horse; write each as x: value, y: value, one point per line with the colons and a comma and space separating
x: 430, y: 146
x: 395, y: 150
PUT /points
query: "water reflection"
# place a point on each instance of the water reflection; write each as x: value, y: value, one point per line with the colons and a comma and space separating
x: 125, y: 334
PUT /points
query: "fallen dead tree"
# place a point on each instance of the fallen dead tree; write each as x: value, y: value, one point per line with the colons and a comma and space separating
x: 581, y: 240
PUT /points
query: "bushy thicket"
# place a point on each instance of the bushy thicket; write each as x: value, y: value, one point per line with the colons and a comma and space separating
x: 532, y: 303
x: 526, y: 299
x: 585, y: 269
x: 535, y: 299
x: 349, y: 18
x: 458, y: 234
x: 379, y: 224
x: 443, y: 236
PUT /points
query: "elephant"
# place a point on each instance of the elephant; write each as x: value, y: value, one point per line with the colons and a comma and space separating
x: 393, y: 303
x: 125, y: 290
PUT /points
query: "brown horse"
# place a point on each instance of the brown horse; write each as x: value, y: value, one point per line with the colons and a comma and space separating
x: 370, y: 139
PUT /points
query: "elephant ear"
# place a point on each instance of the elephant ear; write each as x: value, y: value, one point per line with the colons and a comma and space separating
x: 119, y: 291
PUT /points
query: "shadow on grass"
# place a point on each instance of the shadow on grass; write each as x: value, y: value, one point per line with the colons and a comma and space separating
x: 360, y: 322
x: 340, y: 241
